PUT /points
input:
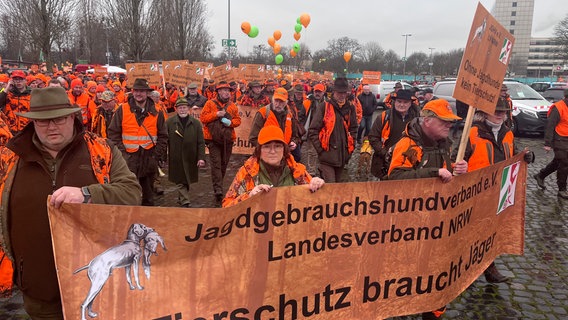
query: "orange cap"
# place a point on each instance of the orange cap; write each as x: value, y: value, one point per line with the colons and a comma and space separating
x: 440, y: 109
x: 100, y: 88
x: 281, y: 94
x: 319, y: 87
x: 270, y: 133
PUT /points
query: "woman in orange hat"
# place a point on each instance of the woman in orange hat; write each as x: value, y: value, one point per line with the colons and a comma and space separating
x: 271, y: 165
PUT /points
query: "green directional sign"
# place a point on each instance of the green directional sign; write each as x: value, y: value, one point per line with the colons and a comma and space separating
x: 229, y: 42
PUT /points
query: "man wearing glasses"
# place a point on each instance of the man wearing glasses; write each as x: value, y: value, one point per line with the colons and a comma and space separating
x: 15, y: 98
x: 52, y: 156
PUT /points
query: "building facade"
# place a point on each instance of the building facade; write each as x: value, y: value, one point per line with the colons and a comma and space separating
x: 517, y: 17
x: 545, y: 59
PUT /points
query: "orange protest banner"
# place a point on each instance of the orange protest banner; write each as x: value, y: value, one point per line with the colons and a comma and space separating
x: 484, y: 62
x: 371, y: 77
x: 148, y: 71
x: 176, y: 72
x: 242, y: 145
x: 222, y: 73
x: 367, y: 250
x: 252, y: 72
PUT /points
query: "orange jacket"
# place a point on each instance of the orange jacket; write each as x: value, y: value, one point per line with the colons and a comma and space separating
x: 209, y: 114
x: 248, y: 177
x: 562, y: 126
x: 260, y: 102
x: 87, y: 105
x: 272, y: 121
x: 483, y: 151
x: 120, y: 96
x: 17, y: 103
x: 101, y: 160
x: 135, y: 136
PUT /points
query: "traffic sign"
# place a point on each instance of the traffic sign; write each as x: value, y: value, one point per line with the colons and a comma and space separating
x: 229, y: 42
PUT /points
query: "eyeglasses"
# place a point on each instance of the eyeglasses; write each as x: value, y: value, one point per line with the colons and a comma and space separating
x: 45, y: 122
x: 277, y: 146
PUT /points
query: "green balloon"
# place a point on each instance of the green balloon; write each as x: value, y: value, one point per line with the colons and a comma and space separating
x: 296, y: 47
x: 298, y: 20
x: 298, y: 27
x: 253, y: 32
x: 278, y: 59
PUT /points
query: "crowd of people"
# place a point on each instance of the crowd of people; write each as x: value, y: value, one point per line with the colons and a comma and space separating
x: 88, y: 139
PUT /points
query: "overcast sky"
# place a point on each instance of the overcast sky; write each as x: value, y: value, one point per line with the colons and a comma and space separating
x: 439, y: 24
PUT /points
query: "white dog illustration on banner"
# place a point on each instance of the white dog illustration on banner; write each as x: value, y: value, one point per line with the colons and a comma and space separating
x: 127, y: 255
x: 479, y: 31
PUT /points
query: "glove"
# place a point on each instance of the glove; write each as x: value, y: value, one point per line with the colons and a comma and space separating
x: 226, y: 122
x: 529, y: 157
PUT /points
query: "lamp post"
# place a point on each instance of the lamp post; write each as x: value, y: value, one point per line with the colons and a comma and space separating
x: 431, y: 62
x: 405, y: 46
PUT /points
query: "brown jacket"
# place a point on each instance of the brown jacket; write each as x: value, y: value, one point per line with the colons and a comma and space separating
x: 27, y: 240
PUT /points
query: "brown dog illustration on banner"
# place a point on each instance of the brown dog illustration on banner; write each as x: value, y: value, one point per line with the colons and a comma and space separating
x: 127, y: 255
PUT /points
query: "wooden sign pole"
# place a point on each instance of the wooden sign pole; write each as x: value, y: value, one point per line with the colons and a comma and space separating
x: 465, y: 133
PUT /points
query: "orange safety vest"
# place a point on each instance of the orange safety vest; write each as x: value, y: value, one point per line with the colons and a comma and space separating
x: 101, y: 160
x: 135, y: 136
x: 483, y: 157
x: 17, y: 104
x: 88, y: 106
x: 270, y: 120
x: 562, y: 126
x: 327, y: 129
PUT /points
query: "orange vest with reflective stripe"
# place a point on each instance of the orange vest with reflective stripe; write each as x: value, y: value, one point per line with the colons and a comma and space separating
x: 562, y: 126
x: 272, y: 121
x: 483, y: 154
x: 101, y: 160
x: 135, y: 136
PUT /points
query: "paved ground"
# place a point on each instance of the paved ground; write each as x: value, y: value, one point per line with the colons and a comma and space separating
x: 539, y: 289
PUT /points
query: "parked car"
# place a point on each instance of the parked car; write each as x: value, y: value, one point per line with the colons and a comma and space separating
x: 554, y: 94
x: 542, y: 86
x: 530, y: 109
x: 384, y: 88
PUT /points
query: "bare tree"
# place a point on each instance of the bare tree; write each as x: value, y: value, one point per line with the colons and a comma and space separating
x: 132, y: 24
x: 40, y: 21
x: 417, y: 63
x: 561, y: 34
x: 372, y: 55
x: 391, y: 61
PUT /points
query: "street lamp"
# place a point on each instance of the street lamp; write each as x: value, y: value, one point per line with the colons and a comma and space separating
x: 431, y: 62
x: 405, y: 45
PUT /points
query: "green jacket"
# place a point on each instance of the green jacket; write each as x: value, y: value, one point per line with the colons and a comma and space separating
x: 185, y: 147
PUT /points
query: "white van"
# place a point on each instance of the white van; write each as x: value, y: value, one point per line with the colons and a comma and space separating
x: 384, y: 88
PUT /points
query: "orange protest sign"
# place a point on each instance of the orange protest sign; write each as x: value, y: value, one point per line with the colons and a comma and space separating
x: 484, y: 62
x: 148, y: 71
x: 367, y: 250
x: 175, y: 72
x: 252, y: 72
x: 371, y: 77
x: 223, y: 72
x: 242, y: 145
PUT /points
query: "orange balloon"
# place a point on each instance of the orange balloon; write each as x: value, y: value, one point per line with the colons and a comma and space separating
x: 277, y: 35
x: 305, y: 19
x: 297, y: 36
x: 347, y: 56
x: 271, y: 41
x: 276, y: 48
x: 245, y: 27
x: 292, y: 53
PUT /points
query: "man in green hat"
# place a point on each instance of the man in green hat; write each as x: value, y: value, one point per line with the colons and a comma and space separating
x: 186, y: 150
x: 52, y: 155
